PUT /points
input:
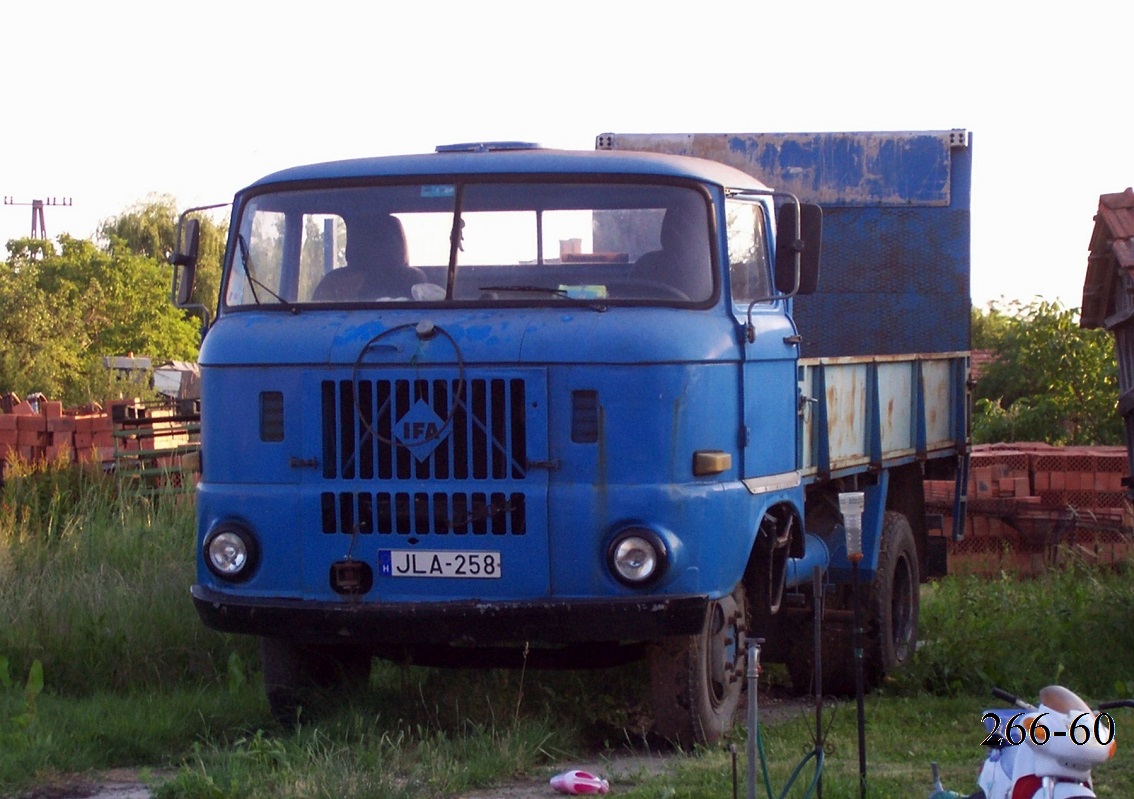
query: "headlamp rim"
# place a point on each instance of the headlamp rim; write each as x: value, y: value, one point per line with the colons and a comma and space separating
x: 251, y: 548
x: 655, y: 541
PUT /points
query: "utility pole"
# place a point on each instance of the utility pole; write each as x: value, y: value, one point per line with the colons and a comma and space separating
x: 38, y: 229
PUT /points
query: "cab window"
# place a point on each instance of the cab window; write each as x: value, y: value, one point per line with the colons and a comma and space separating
x: 749, y: 266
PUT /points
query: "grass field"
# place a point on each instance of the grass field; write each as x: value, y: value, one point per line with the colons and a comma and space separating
x: 104, y: 664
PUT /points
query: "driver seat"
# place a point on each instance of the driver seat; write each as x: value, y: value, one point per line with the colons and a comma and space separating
x: 683, y: 260
x: 377, y: 264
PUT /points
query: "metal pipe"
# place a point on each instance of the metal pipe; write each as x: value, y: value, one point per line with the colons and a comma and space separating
x: 815, y: 554
x: 753, y: 715
x: 817, y: 619
x: 859, y: 680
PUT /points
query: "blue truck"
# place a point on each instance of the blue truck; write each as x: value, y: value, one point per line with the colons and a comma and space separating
x: 504, y: 405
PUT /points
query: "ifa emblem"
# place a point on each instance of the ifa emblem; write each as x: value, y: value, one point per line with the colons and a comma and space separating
x: 420, y: 430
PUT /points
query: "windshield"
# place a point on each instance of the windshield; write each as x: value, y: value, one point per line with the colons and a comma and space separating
x: 480, y: 243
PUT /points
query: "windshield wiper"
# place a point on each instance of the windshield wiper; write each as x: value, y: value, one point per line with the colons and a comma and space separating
x: 528, y: 288
x: 253, y: 282
x: 556, y: 292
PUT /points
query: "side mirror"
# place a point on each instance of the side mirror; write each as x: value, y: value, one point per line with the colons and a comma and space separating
x: 184, y: 261
x: 798, y: 245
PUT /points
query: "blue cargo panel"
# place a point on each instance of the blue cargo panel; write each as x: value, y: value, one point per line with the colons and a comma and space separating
x: 891, y: 281
x: 895, y: 263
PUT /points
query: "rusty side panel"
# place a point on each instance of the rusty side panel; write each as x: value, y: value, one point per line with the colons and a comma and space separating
x: 871, y: 412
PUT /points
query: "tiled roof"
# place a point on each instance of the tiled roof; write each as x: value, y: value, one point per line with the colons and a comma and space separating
x: 979, y: 361
x: 1112, y: 249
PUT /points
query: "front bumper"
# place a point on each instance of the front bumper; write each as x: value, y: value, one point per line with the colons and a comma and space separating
x: 466, y: 623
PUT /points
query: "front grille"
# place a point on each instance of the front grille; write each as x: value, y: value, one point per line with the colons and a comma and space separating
x: 424, y: 513
x: 417, y: 430
x: 481, y: 429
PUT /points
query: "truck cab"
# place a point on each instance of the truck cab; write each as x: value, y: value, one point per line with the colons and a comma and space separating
x: 498, y: 404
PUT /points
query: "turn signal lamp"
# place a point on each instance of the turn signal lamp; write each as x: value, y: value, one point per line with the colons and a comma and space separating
x: 707, y: 462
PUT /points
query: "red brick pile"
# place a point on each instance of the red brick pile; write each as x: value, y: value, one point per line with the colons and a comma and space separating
x: 1031, y: 505
x: 77, y: 435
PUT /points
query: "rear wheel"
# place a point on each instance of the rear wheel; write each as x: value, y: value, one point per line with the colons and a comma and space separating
x: 892, y: 602
x: 299, y: 678
x: 890, y: 607
x: 697, y: 680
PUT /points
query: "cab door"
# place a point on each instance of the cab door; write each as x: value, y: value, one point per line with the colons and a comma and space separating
x: 770, y: 344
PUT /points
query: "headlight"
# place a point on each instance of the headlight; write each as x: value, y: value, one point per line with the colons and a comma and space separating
x: 637, y: 556
x: 231, y: 552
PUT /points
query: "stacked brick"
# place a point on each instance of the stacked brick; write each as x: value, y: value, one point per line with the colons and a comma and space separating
x: 52, y: 434
x: 1029, y: 505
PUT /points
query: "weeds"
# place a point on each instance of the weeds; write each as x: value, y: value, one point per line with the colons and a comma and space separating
x: 370, y: 749
x: 94, y: 585
x: 17, y: 713
x: 1065, y: 625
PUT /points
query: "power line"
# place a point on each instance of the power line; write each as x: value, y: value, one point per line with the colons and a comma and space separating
x: 38, y: 229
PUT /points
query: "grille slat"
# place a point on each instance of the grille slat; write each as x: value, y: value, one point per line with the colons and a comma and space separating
x: 421, y: 513
x: 417, y: 430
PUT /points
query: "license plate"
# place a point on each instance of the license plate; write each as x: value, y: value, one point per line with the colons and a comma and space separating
x: 438, y: 563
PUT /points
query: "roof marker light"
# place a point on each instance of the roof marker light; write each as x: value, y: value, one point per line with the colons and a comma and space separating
x: 486, y: 146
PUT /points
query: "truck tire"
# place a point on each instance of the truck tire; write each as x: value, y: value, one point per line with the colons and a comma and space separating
x: 299, y: 678
x: 890, y: 606
x: 697, y: 681
x: 892, y: 602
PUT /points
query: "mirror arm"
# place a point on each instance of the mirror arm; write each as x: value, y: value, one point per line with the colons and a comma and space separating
x: 179, y: 260
x: 797, y: 253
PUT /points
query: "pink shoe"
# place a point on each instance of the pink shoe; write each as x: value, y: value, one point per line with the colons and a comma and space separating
x: 579, y: 782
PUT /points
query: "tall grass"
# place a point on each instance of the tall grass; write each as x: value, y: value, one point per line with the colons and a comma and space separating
x: 94, y: 583
x: 1073, y: 625
x: 94, y: 586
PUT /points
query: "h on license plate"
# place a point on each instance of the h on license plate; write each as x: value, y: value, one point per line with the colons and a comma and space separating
x: 438, y: 563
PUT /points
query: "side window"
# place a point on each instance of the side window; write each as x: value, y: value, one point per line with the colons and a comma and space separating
x: 259, y: 263
x: 284, y: 256
x: 748, y: 251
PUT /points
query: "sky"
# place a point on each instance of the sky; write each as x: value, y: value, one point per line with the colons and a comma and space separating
x: 111, y: 103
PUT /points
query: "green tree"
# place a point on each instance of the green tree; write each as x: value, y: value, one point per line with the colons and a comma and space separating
x: 62, y: 311
x: 988, y: 326
x: 149, y: 229
x: 1049, y: 379
x: 34, y: 322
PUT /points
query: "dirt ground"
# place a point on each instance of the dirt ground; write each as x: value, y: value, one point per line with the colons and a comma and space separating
x: 621, y: 771
x: 624, y: 771
x: 117, y: 784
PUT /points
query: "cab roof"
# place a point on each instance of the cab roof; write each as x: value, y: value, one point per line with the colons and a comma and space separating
x: 516, y: 158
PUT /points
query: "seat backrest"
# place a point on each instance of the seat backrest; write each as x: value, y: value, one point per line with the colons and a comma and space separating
x: 683, y: 260
x: 377, y: 242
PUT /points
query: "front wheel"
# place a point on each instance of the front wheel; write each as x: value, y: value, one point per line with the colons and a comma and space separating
x: 299, y: 677
x: 697, y: 680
